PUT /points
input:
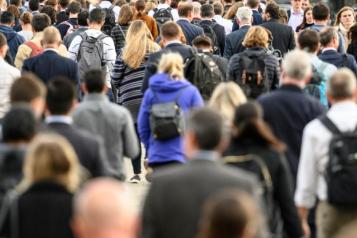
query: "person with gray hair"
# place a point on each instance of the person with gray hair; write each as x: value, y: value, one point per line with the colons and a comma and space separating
x: 316, y: 147
x: 235, y: 39
x: 329, y: 40
x: 288, y: 109
x: 102, y: 210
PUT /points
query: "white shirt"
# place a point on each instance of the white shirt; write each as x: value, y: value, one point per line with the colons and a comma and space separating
x: 296, y: 18
x: 174, y: 12
x: 27, y: 35
x: 227, y: 24
x: 109, y: 54
x: 314, y: 151
x: 107, y: 4
x: 8, y: 75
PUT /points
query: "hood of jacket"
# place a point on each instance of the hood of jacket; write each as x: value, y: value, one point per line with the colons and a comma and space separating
x: 164, y: 83
x: 8, y: 32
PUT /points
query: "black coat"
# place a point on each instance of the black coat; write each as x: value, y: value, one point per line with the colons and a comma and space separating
x: 220, y: 33
x: 339, y: 60
x: 234, y: 42
x: 190, y: 30
x: 175, y: 200
x: 283, y: 36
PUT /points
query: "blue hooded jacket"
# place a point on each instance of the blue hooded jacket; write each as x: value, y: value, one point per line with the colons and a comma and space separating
x: 166, y: 90
x: 14, y: 40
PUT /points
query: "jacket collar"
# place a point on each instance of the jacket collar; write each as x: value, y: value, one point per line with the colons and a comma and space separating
x: 47, y: 186
x: 290, y: 88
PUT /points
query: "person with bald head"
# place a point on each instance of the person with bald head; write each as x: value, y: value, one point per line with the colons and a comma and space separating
x: 101, y: 211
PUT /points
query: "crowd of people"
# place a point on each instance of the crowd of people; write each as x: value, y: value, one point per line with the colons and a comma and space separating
x: 243, y: 114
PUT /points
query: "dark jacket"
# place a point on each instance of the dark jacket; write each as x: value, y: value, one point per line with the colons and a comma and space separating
x: 44, y: 210
x: 339, y: 60
x: 221, y: 62
x: 90, y: 151
x: 64, y: 26
x: 341, y: 45
x: 61, y: 17
x: 50, y: 64
x: 234, y: 42
x: 190, y: 30
x: 283, y: 35
x: 283, y: 193
x: 352, y: 49
x: 287, y: 110
x: 220, y: 33
x: 174, y: 203
x: 185, y: 51
x: 14, y: 40
x: 257, y: 18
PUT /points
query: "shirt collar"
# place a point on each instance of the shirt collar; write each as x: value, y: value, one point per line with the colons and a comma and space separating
x: 206, y: 155
x: 51, y: 49
x: 95, y: 97
x: 290, y: 87
x: 328, y: 48
x: 173, y: 42
x: 343, y: 106
x: 59, y: 119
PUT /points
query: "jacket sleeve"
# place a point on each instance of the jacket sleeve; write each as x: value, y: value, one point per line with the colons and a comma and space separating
x: 117, y: 73
x: 25, y: 67
x: 221, y: 39
x: 131, y: 148
x: 292, y: 43
x: 352, y: 63
x: 23, y: 52
x: 232, y: 69
x: 144, y: 120
x: 197, y: 100
x: 228, y: 49
x: 150, y: 70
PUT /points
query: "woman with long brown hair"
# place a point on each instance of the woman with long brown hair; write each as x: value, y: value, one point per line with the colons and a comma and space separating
x: 140, y: 14
x: 345, y: 18
x: 119, y: 31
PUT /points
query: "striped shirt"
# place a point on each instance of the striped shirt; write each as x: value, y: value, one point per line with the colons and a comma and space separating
x: 118, y: 35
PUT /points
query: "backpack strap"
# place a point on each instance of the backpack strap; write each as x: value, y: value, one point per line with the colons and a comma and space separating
x: 121, y: 30
x: 33, y: 47
x: 329, y: 125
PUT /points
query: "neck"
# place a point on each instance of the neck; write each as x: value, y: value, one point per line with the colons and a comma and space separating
x: 321, y: 23
x: 242, y: 23
x: 71, y: 15
x: 26, y: 27
x: 297, y: 83
x: 95, y: 26
x: 51, y: 46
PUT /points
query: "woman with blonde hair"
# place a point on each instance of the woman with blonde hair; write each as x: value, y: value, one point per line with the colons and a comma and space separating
x: 141, y: 15
x: 119, y: 31
x: 128, y: 74
x: 345, y: 18
x: 225, y: 98
x: 168, y: 86
x: 256, y: 70
x: 51, y: 176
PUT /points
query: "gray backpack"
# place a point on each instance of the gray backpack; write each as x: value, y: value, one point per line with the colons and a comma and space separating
x: 90, y: 53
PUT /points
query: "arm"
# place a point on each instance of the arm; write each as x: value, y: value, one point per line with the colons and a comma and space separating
x: 197, y: 100
x: 23, y: 53
x: 110, y: 54
x: 228, y: 49
x: 131, y: 148
x: 150, y: 70
x: 353, y: 65
x: 292, y: 43
x: 144, y: 121
x: 117, y: 73
x: 74, y: 48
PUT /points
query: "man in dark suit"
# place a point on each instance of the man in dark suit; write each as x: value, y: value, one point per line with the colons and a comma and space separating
x: 257, y: 17
x: 329, y: 40
x: 190, y: 30
x: 283, y: 35
x: 175, y: 200
x: 235, y: 39
x: 50, y: 63
x: 60, y: 102
x: 170, y: 34
x: 207, y: 14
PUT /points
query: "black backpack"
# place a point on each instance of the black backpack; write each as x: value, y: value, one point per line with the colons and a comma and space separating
x: 202, y: 71
x: 209, y: 32
x: 109, y: 20
x: 253, y: 76
x: 341, y: 169
x: 313, y: 87
x: 162, y: 15
x: 167, y: 119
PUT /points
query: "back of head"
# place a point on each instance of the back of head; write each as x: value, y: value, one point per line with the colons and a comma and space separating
x: 202, y: 42
x: 309, y: 40
x: 273, y: 10
x: 207, y: 126
x: 321, y: 12
x: 27, y: 88
x: 140, y: 6
x: 51, y: 157
x: 184, y: 9
x: 244, y: 14
x: 74, y: 7
x: 297, y: 65
x: 125, y: 15
x: 172, y: 64
x: 97, y: 15
x: 94, y: 80
x: 253, y: 3
x: 51, y: 35
x: 196, y: 8
x: 3, y: 40
x: 50, y: 12
x: 342, y: 85
x: 17, y: 3
x: 207, y: 11
x: 26, y: 18
x: 7, y: 18
x: 63, y: 3
x: 34, y: 5
x: 14, y: 10
x: 101, y: 207
x: 60, y: 96
x: 40, y: 22
x: 19, y: 124
x: 83, y: 18
x: 327, y: 35
x: 170, y: 30
x: 218, y: 8
x: 256, y: 36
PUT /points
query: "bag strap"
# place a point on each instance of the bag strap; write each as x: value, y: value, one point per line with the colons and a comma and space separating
x: 121, y: 30
x: 329, y: 125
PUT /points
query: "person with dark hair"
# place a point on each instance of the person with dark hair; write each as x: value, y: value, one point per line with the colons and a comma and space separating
x: 71, y: 25
x: 141, y: 15
x: 8, y: 75
x: 205, y: 175
x: 82, y: 27
x: 218, y: 17
x: 252, y: 139
x: 50, y: 12
x: 307, y: 21
x: 283, y: 35
x: 60, y: 102
x: 352, y: 36
x: 16, y: 12
x: 28, y: 89
x: 119, y: 31
x: 34, y: 47
x: 295, y: 14
x: 50, y: 64
x: 213, y: 30
x: 34, y: 6
x: 190, y: 30
x: 62, y: 14
x: 113, y: 124
x: 14, y: 40
x: 257, y: 17
x: 106, y: 5
x: 329, y: 39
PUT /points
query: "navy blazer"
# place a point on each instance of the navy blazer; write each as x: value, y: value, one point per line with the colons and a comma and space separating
x: 50, y: 64
x: 184, y: 50
x: 339, y: 60
x: 257, y: 18
x: 234, y: 42
x: 189, y: 30
x: 220, y: 33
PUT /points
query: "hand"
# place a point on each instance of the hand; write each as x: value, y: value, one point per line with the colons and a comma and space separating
x: 306, y: 229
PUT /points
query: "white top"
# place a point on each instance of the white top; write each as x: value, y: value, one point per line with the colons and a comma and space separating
x: 109, y: 54
x: 8, y: 75
x: 314, y: 151
x: 107, y: 4
x: 296, y: 18
x: 164, y: 5
x: 227, y: 24
x: 26, y: 34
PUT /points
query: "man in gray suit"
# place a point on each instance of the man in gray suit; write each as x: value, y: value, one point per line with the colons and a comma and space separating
x: 174, y: 202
